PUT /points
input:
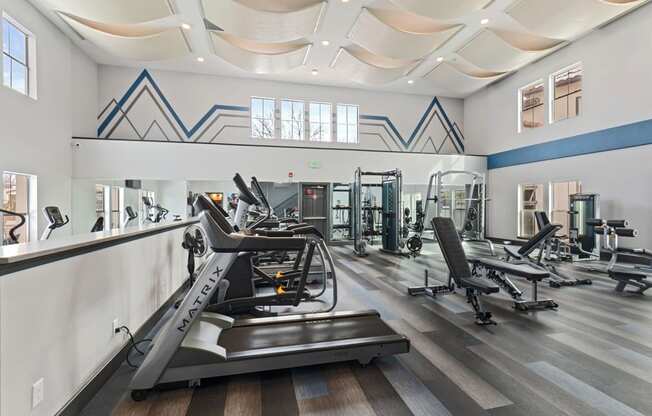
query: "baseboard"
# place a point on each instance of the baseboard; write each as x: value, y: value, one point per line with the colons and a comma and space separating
x: 86, y: 394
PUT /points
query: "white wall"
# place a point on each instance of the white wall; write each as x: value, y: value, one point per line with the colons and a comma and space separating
x: 192, y: 95
x: 124, y: 159
x: 36, y: 133
x: 616, y: 84
x: 64, y: 332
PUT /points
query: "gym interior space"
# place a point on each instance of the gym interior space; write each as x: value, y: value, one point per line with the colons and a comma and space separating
x: 326, y: 207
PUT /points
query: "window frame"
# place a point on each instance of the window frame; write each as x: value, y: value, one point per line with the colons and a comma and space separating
x: 519, y: 98
x: 357, y: 123
x: 551, y: 95
x: 252, y: 118
x: 30, y: 57
x: 328, y: 139
x: 302, y: 130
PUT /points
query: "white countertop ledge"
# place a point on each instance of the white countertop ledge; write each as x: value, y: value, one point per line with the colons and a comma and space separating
x: 29, y: 251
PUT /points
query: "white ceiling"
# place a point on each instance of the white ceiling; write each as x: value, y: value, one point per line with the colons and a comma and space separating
x: 373, y: 44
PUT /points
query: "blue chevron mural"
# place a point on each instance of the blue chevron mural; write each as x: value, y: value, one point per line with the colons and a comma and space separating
x: 118, y: 115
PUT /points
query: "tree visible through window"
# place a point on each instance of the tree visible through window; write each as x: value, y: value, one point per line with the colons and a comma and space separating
x: 292, y: 120
x: 262, y: 117
x: 347, y: 123
x: 320, y: 122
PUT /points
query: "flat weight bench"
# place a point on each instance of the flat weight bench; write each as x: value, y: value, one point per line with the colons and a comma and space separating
x: 497, y: 271
x: 539, y: 241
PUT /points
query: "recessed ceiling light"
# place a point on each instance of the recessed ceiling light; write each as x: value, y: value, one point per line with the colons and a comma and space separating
x: 345, y: 1
x: 200, y: 59
x: 440, y: 58
x: 185, y: 26
x: 410, y: 81
x: 315, y: 71
x: 325, y: 42
x: 484, y: 21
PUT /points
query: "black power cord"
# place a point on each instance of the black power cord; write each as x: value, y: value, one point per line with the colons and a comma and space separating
x: 134, y: 344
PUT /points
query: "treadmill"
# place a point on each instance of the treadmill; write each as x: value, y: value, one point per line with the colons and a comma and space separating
x: 195, y: 344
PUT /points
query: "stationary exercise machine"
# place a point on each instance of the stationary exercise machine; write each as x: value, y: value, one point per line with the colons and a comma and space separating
x: 391, y: 218
x: 13, y: 238
x: 154, y: 212
x: 463, y: 202
x: 56, y: 220
x: 194, y: 344
x: 130, y: 217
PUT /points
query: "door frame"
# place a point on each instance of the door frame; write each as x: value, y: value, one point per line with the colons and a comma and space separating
x: 327, y: 185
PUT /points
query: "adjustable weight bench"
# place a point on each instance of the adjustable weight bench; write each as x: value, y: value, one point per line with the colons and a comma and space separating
x: 626, y: 275
x: 460, y: 274
x: 540, y: 241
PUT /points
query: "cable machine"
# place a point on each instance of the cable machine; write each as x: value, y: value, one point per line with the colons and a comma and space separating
x: 465, y: 206
x: 362, y: 211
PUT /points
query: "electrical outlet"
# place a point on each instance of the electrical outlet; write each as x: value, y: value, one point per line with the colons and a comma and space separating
x: 37, y: 392
x: 116, y: 327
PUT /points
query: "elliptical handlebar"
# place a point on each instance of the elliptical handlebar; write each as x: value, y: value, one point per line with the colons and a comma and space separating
x: 255, y: 185
x: 12, y: 232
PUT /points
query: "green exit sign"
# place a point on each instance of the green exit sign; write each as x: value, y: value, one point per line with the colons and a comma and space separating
x: 314, y: 164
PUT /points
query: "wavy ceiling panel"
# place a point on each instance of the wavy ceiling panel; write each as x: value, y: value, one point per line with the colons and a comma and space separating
x: 442, y: 9
x: 458, y: 80
x: 505, y: 51
x: 263, y: 26
x: 257, y: 57
x: 399, y: 35
x: 564, y: 19
x: 364, y: 67
x: 282, y: 6
x: 167, y: 43
x: 115, y: 11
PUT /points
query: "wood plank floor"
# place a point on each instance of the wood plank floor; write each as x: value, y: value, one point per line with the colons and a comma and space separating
x: 591, y: 357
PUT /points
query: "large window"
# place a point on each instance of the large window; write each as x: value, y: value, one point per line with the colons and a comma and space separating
x: 117, y: 206
x: 15, y: 198
x: 566, y: 95
x: 347, y: 123
x: 320, y: 122
x: 292, y: 117
x: 17, y: 57
x: 262, y: 117
x: 531, y: 106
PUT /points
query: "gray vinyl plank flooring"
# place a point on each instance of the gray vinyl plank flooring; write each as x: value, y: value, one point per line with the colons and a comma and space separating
x: 593, y: 356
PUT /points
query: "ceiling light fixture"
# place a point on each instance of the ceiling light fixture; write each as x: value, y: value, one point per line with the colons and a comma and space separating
x: 200, y: 59
x: 185, y: 26
x: 325, y: 42
x: 440, y: 58
x: 410, y: 81
x: 484, y: 21
x: 345, y: 1
x: 315, y: 71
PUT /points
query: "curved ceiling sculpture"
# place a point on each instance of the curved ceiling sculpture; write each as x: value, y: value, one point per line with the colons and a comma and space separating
x: 137, y: 42
x: 364, y: 67
x: 259, y: 57
x: 115, y: 11
x: 238, y: 19
x: 501, y: 51
x: 281, y: 6
x: 442, y: 9
x: 398, y: 34
x: 564, y: 19
x: 458, y: 79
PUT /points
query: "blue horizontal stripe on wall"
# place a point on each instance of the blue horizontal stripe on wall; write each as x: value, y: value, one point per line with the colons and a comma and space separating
x: 621, y: 137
